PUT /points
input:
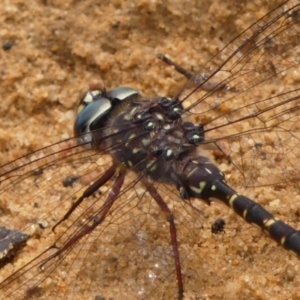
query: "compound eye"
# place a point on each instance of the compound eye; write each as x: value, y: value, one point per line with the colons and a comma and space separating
x: 91, y: 109
x: 122, y: 93
x: 94, y: 110
x: 88, y: 98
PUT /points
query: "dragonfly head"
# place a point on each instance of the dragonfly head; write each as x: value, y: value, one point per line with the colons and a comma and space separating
x: 96, y: 107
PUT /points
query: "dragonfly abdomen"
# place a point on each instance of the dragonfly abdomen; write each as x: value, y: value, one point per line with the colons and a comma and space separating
x: 205, y: 181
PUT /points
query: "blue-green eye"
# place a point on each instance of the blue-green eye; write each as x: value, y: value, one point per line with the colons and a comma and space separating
x: 95, y: 107
x: 92, y: 107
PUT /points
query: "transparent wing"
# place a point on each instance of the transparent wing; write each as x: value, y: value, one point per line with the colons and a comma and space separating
x: 133, y: 240
x: 236, y: 113
x: 36, y: 195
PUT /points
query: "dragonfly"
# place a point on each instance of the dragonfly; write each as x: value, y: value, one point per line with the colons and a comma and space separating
x: 108, y: 209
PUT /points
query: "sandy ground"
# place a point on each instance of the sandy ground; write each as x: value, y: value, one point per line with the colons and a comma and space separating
x: 51, y: 52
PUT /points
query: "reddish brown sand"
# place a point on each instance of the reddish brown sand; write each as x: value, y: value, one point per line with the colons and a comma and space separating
x: 59, y: 47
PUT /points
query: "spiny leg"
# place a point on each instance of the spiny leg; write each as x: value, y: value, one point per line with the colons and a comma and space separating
x: 88, y: 192
x: 170, y: 218
x: 97, y: 220
x: 197, y: 80
x: 67, y: 246
x: 177, y: 67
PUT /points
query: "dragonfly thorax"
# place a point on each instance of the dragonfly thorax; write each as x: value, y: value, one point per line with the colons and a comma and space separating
x: 152, y: 138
